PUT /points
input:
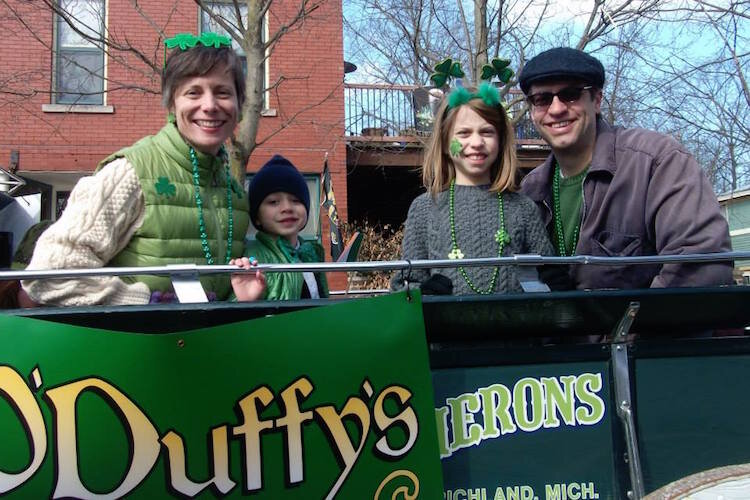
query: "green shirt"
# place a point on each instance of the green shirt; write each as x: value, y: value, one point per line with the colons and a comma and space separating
x: 571, y: 209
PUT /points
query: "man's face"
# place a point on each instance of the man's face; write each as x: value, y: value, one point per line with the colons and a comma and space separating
x: 568, y: 127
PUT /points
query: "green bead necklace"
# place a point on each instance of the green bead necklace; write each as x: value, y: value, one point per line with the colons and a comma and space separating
x: 558, y: 217
x: 199, y: 203
x: 501, y: 237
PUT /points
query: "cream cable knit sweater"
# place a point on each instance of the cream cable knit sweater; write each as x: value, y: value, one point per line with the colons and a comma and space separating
x: 102, y: 214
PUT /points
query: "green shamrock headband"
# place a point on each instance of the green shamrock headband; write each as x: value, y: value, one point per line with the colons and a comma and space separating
x: 446, y: 70
x: 187, y: 41
x: 487, y: 92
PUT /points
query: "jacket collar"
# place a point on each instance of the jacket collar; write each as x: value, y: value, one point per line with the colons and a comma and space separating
x: 538, y: 182
x: 603, y: 158
x: 178, y: 149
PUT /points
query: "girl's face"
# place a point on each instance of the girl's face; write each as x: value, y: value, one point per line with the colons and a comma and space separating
x: 473, y: 147
x: 206, y: 109
x: 282, y: 214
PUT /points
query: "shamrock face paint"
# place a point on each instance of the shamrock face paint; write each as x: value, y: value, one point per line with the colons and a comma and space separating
x: 455, y: 147
x: 474, y: 148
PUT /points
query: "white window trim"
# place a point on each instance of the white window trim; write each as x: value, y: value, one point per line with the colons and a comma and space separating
x: 56, y: 107
x: 78, y: 108
x: 267, y: 110
x: 266, y: 74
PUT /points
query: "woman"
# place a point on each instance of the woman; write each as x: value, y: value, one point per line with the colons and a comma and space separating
x: 167, y: 199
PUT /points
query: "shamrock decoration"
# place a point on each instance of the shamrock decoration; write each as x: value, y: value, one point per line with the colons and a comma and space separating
x: 502, y: 237
x: 456, y: 253
x: 209, y: 39
x: 165, y: 187
x: 499, y: 68
x: 187, y: 40
x: 446, y: 70
x: 455, y: 147
x: 182, y: 40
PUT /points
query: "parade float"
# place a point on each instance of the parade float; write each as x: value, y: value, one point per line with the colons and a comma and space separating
x: 604, y: 394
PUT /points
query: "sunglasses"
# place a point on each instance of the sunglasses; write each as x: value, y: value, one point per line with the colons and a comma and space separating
x: 567, y: 95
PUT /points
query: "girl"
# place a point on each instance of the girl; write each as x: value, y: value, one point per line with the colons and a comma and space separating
x: 279, y: 205
x: 471, y: 208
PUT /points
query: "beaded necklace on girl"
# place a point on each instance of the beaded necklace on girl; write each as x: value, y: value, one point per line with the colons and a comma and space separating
x: 464, y: 147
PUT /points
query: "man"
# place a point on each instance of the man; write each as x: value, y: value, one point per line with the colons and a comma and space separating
x: 609, y: 191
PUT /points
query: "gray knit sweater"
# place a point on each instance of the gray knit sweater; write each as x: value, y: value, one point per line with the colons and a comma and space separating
x: 427, y: 236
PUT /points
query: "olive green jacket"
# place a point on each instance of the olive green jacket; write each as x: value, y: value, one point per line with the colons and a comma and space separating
x: 170, y: 232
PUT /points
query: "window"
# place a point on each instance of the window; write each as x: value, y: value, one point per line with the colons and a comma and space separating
x: 79, y: 62
x: 226, y: 11
x: 311, y: 231
x: 61, y: 201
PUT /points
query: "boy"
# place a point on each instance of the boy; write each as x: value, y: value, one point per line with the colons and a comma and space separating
x: 279, y: 207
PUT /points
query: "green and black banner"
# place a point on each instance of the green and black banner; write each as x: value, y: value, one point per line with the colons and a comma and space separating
x: 339, y: 401
x: 527, y: 432
x: 328, y: 402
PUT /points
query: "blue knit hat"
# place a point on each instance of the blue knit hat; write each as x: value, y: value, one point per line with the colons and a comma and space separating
x: 278, y: 174
x: 561, y: 62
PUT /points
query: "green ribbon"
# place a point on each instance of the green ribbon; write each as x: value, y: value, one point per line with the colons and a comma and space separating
x: 305, y: 252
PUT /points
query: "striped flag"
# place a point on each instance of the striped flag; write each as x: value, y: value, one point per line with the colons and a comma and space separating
x: 329, y: 206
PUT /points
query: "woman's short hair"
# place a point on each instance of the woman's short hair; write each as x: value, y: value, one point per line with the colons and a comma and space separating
x: 438, y: 170
x: 199, y: 61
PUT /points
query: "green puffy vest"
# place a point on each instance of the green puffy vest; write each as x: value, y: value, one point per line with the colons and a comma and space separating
x: 169, y: 233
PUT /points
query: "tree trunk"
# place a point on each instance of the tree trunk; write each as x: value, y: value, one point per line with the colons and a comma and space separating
x: 244, y: 140
x: 480, y: 28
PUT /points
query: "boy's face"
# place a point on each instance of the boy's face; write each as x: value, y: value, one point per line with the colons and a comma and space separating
x: 282, y: 214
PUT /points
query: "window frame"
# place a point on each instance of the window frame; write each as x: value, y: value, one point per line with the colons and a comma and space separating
x: 63, y: 54
x: 202, y: 14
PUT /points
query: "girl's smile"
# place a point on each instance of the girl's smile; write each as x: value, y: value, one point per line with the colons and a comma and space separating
x: 474, y: 149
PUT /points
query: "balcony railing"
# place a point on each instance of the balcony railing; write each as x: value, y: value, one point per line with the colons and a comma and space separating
x: 405, y: 112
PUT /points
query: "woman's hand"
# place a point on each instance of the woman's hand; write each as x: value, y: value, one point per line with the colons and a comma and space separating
x: 247, y: 286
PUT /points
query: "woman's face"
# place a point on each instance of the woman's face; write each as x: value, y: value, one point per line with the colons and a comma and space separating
x: 473, y: 148
x: 206, y: 109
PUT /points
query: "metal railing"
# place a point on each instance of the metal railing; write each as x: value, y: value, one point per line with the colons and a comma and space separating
x: 186, y: 284
x: 405, y: 111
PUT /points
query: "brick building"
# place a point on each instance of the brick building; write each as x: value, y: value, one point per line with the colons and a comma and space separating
x: 59, y: 121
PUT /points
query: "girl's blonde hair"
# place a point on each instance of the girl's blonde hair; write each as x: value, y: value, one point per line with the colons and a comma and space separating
x: 438, y: 170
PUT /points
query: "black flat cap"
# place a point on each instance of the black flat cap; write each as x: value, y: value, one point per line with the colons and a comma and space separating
x: 562, y: 62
